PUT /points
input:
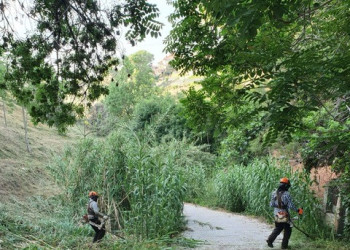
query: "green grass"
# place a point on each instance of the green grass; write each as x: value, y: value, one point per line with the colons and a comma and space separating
x: 299, y: 241
x: 40, y: 223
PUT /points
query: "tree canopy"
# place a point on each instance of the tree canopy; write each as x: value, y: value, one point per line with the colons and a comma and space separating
x: 63, y: 60
x: 290, y: 58
x: 134, y: 81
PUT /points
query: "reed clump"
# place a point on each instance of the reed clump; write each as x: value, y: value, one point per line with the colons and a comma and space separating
x: 142, y: 186
x: 248, y: 189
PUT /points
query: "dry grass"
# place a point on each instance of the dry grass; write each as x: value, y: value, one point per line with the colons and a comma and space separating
x: 176, y: 84
x: 23, y: 173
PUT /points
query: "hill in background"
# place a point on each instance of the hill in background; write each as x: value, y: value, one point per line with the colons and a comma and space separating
x: 171, y: 80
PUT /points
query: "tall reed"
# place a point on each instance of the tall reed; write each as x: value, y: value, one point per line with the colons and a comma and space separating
x: 142, y: 186
x: 248, y: 188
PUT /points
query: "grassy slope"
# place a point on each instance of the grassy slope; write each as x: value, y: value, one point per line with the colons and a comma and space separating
x: 175, y: 84
x: 21, y: 173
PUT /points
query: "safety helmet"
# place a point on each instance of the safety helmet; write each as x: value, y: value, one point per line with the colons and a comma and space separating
x: 93, y: 193
x: 284, y: 180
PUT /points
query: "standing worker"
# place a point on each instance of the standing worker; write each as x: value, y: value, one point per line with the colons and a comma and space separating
x: 93, y: 216
x: 281, y: 201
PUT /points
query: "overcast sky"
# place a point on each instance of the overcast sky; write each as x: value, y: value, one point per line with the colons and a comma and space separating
x: 153, y: 45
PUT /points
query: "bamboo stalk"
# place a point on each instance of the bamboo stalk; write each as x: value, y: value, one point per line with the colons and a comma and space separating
x: 116, y: 214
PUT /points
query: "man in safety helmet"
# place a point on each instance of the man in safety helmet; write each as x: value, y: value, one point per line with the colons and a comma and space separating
x: 93, y: 216
x: 281, y: 201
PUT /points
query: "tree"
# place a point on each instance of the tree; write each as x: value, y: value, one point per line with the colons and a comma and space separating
x: 2, y: 92
x: 64, y: 59
x: 283, y: 55
x: 134, y: 81
x: 7, y: 101
x: 143, y: 72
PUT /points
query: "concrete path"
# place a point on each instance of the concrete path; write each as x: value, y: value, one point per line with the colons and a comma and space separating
x: 223, y: 230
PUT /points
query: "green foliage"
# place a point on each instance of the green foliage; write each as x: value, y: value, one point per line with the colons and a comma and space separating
x: 201, y: 116
x: 248, y: 188
x: 326, y: 133
x: 97, y: 119
x: 68, y: 53
x: 146, y: 110
x: 161, y: 117
x: 194, y: 164
x: 133, y: 82
x: 278, y: 54
x: 198, y: 111
x: 142, y: 64
x: 344, y: 187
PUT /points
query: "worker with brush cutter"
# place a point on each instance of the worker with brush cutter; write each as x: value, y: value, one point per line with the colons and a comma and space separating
x: 94, y: 215
x: 281, y: 201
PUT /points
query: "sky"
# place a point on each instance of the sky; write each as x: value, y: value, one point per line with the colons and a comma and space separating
x: 153, y: 45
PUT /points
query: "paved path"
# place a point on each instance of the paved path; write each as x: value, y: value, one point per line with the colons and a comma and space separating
x: 223, y: 230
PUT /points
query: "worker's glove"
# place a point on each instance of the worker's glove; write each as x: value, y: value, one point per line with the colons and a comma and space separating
x: 300, y: 211
x: 105, y: 217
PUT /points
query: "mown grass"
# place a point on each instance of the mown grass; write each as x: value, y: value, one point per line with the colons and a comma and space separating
x: 40, y: 223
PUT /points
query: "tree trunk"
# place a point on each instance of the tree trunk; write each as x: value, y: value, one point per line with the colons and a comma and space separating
x: 25, y: 128
x: 4, y: 110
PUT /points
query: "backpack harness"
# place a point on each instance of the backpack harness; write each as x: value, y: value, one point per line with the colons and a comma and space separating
x: 279, y: 200
x: 91, y: 213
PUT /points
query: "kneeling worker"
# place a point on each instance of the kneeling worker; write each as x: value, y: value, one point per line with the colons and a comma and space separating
x: 93, y: 216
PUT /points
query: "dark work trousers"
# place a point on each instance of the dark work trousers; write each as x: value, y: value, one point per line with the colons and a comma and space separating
x: 99, y: 233
x: 278, y: 229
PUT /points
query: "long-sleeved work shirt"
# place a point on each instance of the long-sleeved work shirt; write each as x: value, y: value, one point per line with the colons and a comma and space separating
x: 287, y: 203
x: 93, y: 208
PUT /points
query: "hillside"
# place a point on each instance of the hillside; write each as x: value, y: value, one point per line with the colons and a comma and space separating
x: 23, y: 173
x: 171, y: 80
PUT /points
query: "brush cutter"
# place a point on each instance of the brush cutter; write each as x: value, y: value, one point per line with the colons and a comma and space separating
x: 300, y: 230
x: 85, y: 220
